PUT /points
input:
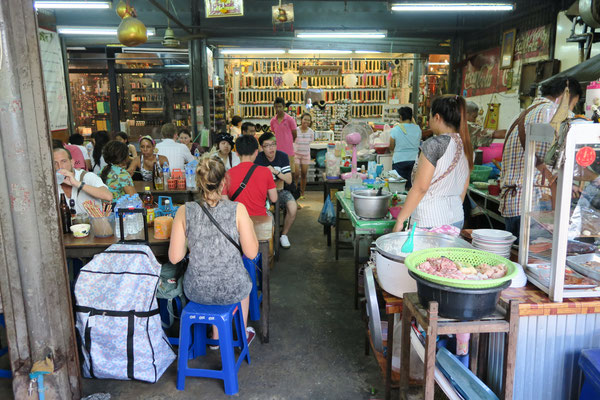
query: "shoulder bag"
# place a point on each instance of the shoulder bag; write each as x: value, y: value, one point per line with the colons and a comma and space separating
x: 244, y: 182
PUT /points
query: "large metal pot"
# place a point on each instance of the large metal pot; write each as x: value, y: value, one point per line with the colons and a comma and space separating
x: 368, y: 205
x: 392, y: 274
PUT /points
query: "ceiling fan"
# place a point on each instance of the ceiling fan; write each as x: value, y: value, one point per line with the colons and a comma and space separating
x: 170, y: 40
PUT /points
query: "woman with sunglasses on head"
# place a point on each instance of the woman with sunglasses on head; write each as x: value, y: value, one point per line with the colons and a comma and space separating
x: 144, y: 162
x: 441, y: 175
x: 224, y: 151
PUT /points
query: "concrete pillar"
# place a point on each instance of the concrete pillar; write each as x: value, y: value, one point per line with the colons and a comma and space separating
x: 199, y: 72
x: 416, y: 78
x: 33, y: 276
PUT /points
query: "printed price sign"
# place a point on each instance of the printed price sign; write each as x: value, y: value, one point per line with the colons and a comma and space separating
x: 585, y: 156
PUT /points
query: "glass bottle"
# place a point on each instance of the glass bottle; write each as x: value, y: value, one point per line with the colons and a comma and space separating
x: 157, y: 176
x: 65, y: 214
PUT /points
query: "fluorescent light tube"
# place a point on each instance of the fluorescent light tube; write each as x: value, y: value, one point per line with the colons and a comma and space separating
x: 153, y: 50
x: 252, y: 51
x: 73, y: 4
x: 438, y: 63
x: 302, y: 51
x: 366, y: 51
x: 98, y: 31
x: 177, y: 66
x: 462, y: 6
x: 341, y: 34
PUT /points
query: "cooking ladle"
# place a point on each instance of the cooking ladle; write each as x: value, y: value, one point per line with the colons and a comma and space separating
x: 409, y: 245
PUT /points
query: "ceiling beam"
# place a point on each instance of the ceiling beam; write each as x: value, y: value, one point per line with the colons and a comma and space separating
x: 170, y: 16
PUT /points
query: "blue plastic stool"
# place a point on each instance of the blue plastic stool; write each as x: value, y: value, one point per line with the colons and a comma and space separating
x: 195, y: 319
x: 589, y: 362
x: 255, y: 299
x: 4, y: 373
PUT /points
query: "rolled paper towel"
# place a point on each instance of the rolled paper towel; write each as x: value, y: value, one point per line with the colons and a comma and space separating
x: 162, y: 227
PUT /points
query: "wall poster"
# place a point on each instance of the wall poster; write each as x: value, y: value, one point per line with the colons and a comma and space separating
x: 224, y: 8
x: 54, y: 79
x: 482, y: 74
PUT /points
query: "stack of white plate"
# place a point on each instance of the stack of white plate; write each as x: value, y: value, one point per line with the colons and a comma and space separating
x: 493, y: 241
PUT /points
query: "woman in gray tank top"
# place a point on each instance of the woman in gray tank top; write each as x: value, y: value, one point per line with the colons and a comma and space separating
x: 216, y: 274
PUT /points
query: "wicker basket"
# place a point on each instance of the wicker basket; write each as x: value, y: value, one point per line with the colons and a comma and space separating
x: 469, y: 256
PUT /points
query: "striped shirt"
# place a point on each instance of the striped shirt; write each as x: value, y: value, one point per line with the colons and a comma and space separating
x: 303, y: 141
x: 442, y: 204
x: 513, y: 162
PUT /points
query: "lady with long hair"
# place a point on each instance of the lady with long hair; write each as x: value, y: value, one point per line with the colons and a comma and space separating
x: 216, y: 274
x: 441, y: 175
x: 122, y: 137
x: 185, y: 137
x: 144, y: 162
x: 114, y: 174
x: 302, y: 143
x: 100, y: 138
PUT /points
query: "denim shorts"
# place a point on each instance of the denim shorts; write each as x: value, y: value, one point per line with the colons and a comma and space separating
x: 284, y: 197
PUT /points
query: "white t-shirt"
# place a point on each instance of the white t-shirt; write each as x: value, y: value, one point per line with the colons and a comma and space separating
x: 97, y: 169
x: 177, y: 153
x: 89, y: 179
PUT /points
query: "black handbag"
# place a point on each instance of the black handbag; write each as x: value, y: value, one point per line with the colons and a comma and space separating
x: 293, y: 189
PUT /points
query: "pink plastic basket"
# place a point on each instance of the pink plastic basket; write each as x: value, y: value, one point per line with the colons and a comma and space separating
x: 494, y: 151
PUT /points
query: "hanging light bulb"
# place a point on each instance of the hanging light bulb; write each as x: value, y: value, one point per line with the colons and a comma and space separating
x: 121, y: 9
x: 132, y: 31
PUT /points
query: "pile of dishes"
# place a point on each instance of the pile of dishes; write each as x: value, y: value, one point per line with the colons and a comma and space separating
x: 493, y: 241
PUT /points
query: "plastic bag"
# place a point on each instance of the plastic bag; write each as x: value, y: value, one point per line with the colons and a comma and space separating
x: 327, y: 216
x: 133, y: 223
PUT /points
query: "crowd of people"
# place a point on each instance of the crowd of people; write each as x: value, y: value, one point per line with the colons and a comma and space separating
x: 438, y: 170
x: 112, y: 166
x: 242, y: 176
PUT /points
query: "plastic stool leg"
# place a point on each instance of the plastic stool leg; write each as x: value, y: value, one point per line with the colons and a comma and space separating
x: 199, y: 340
x: 230, y: 379
x: 184, y: 344
x: 254, y: 305
x: 242, y: 341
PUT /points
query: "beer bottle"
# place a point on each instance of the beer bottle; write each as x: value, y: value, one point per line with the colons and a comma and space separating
x: 65, y: 214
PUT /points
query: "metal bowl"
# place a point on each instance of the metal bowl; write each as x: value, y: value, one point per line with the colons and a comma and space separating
x: 368, y: 205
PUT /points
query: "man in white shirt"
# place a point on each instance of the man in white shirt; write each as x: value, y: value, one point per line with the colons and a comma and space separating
x: 74, y: 186
x: 177, y: 153
x: 77, y: 140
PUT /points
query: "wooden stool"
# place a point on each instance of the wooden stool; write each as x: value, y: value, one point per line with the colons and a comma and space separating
x: 263, y: 227
x: 435, y: 325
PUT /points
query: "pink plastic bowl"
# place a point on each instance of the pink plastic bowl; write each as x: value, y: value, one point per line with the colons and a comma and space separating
x: 395, y: 211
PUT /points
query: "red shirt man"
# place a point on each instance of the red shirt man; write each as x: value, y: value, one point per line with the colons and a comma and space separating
x: 260, y: 185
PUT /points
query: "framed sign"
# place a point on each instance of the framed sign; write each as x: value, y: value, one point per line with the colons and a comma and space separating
x: 224, y: 8
x: 508, y: 48
x: 320, y: 70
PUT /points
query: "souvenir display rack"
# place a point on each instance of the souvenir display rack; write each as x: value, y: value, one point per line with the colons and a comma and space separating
x: 252, y: 86
x: 90, y: 101
x: 536, y: 230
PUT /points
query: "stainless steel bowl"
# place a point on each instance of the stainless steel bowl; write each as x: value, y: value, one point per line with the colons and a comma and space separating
x: 368, y: 205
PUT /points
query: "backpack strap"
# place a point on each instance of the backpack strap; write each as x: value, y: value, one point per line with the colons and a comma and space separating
x: 214, y: 221
x: 244, y: 182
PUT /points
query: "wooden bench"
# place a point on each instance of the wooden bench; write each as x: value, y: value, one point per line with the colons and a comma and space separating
x: 263, y: 227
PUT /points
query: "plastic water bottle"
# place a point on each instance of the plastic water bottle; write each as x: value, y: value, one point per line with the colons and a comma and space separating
x: 166, y: 174
x: 197, y: 154
x: 168, y: 208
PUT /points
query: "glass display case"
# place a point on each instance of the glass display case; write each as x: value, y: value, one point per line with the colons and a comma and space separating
x: 559, y: 248
x: 90, y: 102
x: 146, y: 101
